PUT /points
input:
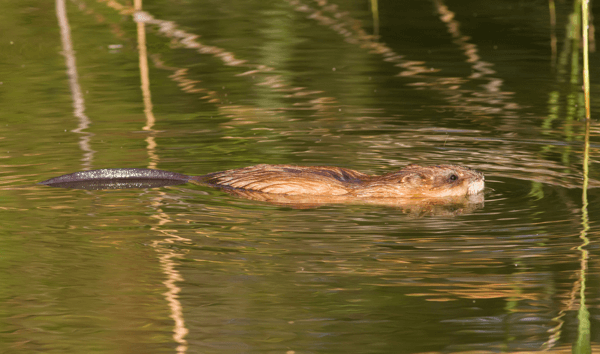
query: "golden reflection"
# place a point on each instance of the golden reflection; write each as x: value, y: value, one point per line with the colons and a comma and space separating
x: 489, y: 101
x: 416, y: 207
x: 582, y: 344
x: 190, y: 41
x: 145, y: 85
x: 480, y: 68
x: 500, y: 287
x: 78, y: 100
x: 168, y: 259
x: 167, y: 256
x: 239, y: 114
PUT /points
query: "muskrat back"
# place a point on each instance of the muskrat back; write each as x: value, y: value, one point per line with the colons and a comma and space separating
x: 412, y: 181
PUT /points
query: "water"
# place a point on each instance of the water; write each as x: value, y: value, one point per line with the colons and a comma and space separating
x: 189, y: 269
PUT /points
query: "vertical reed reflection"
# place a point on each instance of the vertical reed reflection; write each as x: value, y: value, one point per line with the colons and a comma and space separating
x: 375, y: 13
x: 145, y: 85
x: 78, y: 101
x: 586, y: 56
x: 553, y: 41
x: 167, y: 255
x: 582, y: 345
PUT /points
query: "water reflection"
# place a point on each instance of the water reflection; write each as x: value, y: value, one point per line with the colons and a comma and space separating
x: 74, y: 86
x: 337, y: 260
x: 485, y: 100
x: 414, y: 206
x: 195, y: 269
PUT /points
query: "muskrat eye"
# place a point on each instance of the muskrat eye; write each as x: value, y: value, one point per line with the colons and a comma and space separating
x: 453, y: 177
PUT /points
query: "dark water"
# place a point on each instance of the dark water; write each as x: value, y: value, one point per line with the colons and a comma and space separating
x: 187, y: 269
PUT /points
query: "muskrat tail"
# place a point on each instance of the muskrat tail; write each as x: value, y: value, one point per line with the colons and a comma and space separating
x: 106, y: 174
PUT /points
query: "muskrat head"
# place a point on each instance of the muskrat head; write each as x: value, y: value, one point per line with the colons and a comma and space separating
x: 426, y: 181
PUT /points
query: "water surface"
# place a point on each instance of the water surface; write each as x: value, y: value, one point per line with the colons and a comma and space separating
x: 202, y: 86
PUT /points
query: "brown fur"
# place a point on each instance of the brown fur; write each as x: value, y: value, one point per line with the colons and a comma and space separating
x: 410, y: 182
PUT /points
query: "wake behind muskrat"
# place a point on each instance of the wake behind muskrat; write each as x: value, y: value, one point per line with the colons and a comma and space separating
x: 316, y: 182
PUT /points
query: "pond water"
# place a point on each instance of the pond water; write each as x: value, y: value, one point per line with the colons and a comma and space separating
x: 201, y: 86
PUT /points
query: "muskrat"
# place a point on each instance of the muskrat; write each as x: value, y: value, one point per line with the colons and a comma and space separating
x: 322, y: 183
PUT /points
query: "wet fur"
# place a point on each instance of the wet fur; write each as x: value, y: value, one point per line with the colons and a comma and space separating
x: 321, y: 181
x: 412, y: 181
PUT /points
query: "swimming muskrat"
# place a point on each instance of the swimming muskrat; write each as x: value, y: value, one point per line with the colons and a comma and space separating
x: 321, y: 184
